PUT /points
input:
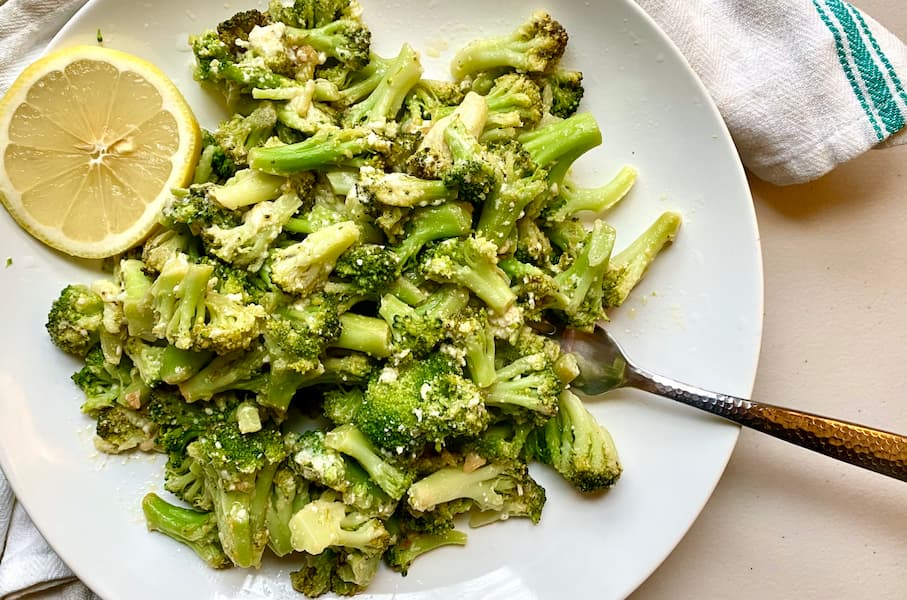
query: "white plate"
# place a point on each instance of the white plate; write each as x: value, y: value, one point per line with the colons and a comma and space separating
x: 697, y: 317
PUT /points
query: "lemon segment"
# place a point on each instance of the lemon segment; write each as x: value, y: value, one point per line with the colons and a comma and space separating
x: 92, y: 140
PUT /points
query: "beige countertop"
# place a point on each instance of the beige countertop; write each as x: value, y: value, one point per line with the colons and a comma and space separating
x: 784, y: 522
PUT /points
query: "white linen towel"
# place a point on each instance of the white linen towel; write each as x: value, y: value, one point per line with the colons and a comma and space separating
x: 804, y: 85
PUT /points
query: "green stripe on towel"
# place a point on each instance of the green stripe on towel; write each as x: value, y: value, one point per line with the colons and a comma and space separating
x: 872, y: 77
x: 848, y: 72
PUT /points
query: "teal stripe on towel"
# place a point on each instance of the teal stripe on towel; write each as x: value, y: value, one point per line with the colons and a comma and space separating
x: 873, y: 80
x: 848, y: 72
x: 892, y: 74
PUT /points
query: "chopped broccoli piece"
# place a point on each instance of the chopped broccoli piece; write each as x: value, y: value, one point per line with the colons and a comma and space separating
x: 410, y: 541
x: 582, y: 284
x: 400, y: 189
x: 628, y: 267
x: 472, y: 263
x: 289, y: 493
x: 535, y: 46
x: 75, y: 320
x: 247, y: 245
x: 321, y: 524
x: 578, y: 448
x: 197, y: 530
x: 239, y: 134
x: 418, y: 330
x: 557, y: 145
x: 351, y: 441
x: 347, y: 40
x: 239, y: 469
x: 386, y: 99
x: 304, y: 266
x: 562, y: 92
x: 420, y: 403
x: 328, y: 147
x: 424, y: 225
x: 120, y: 429
x: 572, y: 199
x: 526, y: 389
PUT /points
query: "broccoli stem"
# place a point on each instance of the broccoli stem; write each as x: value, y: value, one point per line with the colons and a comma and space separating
x: 480, y: 350
x: 501, y: 213
x: 562, y: 142
x: 628, y: 267
x: 368, y: 79
x: 386, y: 99
x: 328, y: 147
x: 597, y: 200
x: 451, y: 219
x: 197, y: 530
x: 364, y: 334
x: 401, y: 555
x: 136, y: 298
x: 179, y: 365
x: 352, y: 442
x: 225, y: 372
x: 451, y: 483
x: 248, y: 187
x: 406, y: 290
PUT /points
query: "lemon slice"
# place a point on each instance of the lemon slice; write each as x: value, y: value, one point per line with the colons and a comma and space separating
x: 91, y: 142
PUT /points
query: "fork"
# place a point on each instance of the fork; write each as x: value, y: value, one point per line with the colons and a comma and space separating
x: 604, y: 366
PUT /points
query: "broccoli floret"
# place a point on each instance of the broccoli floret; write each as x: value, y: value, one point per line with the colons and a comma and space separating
x: 297, y: 336
x: 289, y: 493
x: 106, y: 384
x: 385, y: 101
x: 356, y: 85
x: 514, y: 103
x: 471, y: 263
x: 345, y: 572
x: 582, y: 284
x: 304, y: 266
x: 147, y: 359
x: 399, y: 189
x: 418, y: 330
x: 229, y: 325
x: 471, y: 331
x: 372, y: 268
x: 523, y: 497
x: 424, y: 225
x: 430, y: 99
x: 240, y: 133
x: 432, y: 158
x: 349, y: 440
x: 258, y: 66
x: 572, y: 199
x: 502, y: 441
x: 120, y: 429
x: 535, y: 288
x: 507, y: 204
x: 562, y: 92
x: 235, y: 30
x: 471, y: 172
x: 341, y: 405
x: 628, y: 267
x: 196, y: 209
x: 534, y: 47
x: 185, y: 479
x: 488, y: 488
x: 178, y: 296
x: 526, y: 389
x: 214, y: 164
x: 247, y: 245
x: 346, y: 40
x: 312, y: 13
x: 197, y: 530
x: 411, y: 539
x: 323, y: 524
x: 318, y: 463
x: 328, y: 147
x: 578, y: 448
x: 557, y: 145
x: 239, y: 469
x: 75, y: 320
x: 420, y: 403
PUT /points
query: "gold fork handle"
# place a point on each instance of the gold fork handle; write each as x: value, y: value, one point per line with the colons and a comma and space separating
x: 880, y: 451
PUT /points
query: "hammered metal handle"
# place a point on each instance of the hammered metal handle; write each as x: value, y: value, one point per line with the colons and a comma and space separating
x: 873, y: 449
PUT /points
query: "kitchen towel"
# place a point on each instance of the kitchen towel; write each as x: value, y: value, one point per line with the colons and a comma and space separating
x: 804, y: 85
